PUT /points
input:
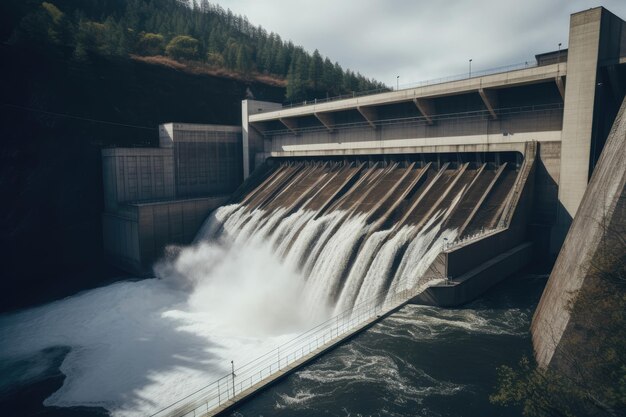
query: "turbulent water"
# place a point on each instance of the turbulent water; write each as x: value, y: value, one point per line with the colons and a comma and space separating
x: 420, y: 361
x: 251, y: 280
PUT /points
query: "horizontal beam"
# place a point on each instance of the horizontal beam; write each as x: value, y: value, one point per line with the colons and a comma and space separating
x: 451, y: 144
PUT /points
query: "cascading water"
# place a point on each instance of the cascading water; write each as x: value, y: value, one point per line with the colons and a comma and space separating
x: 253, y: 278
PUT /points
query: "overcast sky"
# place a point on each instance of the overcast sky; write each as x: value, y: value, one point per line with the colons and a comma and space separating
x: 420, y: 39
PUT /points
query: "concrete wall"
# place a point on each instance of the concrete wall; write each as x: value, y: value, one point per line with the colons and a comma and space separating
x: 595, y: 40
x: 252, y: 140
x: 475, y: 282
x: 140, y: 174
x: 155, y: 197
x: 540, y: 126
x: 207, y: 162
x: 136, y: 234
x: 580, y: 90
x: 546, y: 204
x: 603, y: 195
x: 474, y: 266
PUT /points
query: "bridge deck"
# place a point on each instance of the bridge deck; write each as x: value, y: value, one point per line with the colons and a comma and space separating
x: 533, y: 75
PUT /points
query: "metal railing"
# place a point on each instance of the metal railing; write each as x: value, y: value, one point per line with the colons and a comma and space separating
x: 480, y: 234
x: 465, y: 76
x: 315, y: 340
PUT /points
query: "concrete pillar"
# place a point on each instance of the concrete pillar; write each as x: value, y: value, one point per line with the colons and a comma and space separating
x: 252, y: 140
x: 580, y: 89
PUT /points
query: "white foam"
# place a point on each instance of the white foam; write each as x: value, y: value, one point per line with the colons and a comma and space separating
x: 138, y: 346
x: 235, y: 294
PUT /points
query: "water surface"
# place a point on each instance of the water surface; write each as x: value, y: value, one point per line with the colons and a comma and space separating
x: 422, y: 361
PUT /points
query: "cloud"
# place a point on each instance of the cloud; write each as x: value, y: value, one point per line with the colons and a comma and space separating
x: 420, y: 39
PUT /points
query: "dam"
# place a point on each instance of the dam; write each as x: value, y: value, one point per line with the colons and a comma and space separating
x: 430, y: 194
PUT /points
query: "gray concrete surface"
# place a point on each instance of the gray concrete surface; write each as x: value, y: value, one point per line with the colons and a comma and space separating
x: 599, y: 204
x: 476, y: 281
x: 160, y: 196
x: 540, y: 74
x: 137, y: 174
x: 136, y: 234
x: 252, y: 140
x: 580, y: 89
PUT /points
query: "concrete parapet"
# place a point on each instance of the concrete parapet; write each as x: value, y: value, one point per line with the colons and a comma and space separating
x: 473, y: 283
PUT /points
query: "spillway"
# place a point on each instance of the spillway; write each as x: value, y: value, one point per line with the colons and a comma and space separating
x: 308, y: 253
x: 360, y: 238
x: 359, y: 229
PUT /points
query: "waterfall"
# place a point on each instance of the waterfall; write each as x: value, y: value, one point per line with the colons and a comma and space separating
x: 305, y: 245
x: 339, y: 253
x: 321, y: 248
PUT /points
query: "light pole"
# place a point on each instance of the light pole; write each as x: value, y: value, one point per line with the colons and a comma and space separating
x: 470, y: 68
x: 397, y: 82
x: 232, y: 364
x: 558, y: 58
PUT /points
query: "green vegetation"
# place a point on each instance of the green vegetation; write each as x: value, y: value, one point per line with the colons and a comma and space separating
x: 184, y: 30
x: 183, y: 47
x: 588, y: 373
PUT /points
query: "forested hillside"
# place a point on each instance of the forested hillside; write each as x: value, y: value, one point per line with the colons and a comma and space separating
x: 181, y: 30
x: 80, y: 75
x: 55, y: 117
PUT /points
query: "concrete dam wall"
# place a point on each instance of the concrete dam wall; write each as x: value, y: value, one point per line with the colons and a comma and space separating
x: 358, y: 229
x: 603, y: 207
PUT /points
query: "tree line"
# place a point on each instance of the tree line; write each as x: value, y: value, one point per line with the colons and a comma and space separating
x: 184, y: 30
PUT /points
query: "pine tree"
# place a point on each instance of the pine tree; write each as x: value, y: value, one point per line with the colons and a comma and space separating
x: 316, y: 68
x: 244, y: 61
x: 295, y: 83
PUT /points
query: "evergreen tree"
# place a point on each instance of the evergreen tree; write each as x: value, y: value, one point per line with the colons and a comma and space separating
x: 295, y: 83
x: 244, y: 60
x: 191, y: 29
x: 316, y: 68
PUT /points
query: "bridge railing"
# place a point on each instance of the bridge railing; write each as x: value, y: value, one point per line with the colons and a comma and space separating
x: 467, y: 75
x: 242, y: 377
x: 475, y: 236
